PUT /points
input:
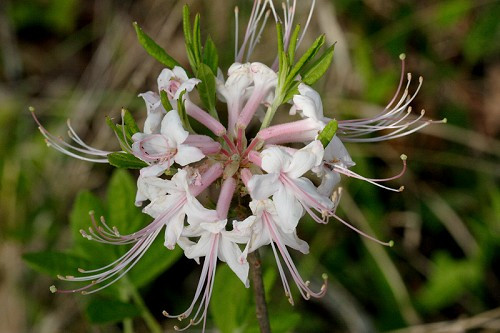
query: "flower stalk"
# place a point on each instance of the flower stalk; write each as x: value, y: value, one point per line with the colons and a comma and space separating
x: 259, y: 292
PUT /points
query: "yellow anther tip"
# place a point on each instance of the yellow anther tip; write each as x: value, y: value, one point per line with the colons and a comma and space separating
x: 53, y: 289
x: 31, y: 108
x: 391, y: 243
x: 402, y: 56
x: 403, y: 157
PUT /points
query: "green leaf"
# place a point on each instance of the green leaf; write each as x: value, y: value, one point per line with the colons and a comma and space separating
x: 327, y: 134
x: 165, y: 102
x: 319, y: 67
x: 206, y: 88
x: 130, y: 124
x: 154, y: 49
x: 126, y: 161
x: 55, y: 263
x: 293, y: 44
x: 196, y: 44
x: 306, y: 57
x: 80, y: 220
x: 101, y: 311
x: 122, y: 212
x: 181, y: 109
x: 210, y: 56
x: 156, y: 261
x: 448, y: 281
x: 124, y: 138
x: 227, y: 286
x: 293, y: 89
x: 186, y: 24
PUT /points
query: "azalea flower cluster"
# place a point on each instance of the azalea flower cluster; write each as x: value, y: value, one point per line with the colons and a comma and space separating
x: 287, y: 170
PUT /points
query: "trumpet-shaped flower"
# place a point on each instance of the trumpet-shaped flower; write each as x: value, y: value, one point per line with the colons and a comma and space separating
x: 213, y: 243
x: 161, y: 150
x: 291, y: 192
x: 175, y: 81
x: 266, y: 227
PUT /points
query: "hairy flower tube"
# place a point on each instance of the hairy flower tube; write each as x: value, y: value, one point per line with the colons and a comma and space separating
x: 285, y: 170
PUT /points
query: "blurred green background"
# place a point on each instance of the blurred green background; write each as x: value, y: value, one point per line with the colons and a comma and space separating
x: 80, y: 60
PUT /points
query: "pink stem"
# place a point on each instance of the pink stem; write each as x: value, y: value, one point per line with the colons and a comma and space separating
x: 204, y: 143
x: 206, y: 119
x: 207, y: 178
x: 255, y: 158
x: 246, y: 174
x: 288, y: 129
x: 225, y: 196
x: 251, y: 107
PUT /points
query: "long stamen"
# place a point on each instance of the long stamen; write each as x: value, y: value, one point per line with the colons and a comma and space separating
x: 389, y: 243
x: 67, y: 149
x: 236, y: 31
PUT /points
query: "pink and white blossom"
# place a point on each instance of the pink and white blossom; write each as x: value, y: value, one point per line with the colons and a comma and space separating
x: 161, y: 150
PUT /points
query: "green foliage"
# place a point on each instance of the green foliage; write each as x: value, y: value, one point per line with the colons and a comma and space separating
x: 103, y: 311
x: 450, y: 279
x: 206, y: 88
x: 55, y: 263
x: 319, y: 67
x: 125, y: 160
x: 289, y: 70
x: 164, y: 101
x: 210, y: 55
x: 486, y: 28
x: 327, y: 134
x: 154, y: 50
x: 96, y: 253
x: 228, y: 287
x: 59, y: 16
x: 203, y: 61
x: 230, y: 302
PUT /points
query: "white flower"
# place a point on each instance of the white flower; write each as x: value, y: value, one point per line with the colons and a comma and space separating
x: 175, y: 196
x: 161, y: 150
x: 291, y: 192
x: 309, y: 105
x: 335, y: 155
x: 155, y: 110
x: 175, y: 81
x: 266, y: 228
x: 214, y: 242
x: 234, y: 91
x: 150, y: 188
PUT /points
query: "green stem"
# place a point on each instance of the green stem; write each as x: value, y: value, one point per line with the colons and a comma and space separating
x: 271, y: 110
x: 128, y: 325
x: 150, y: 320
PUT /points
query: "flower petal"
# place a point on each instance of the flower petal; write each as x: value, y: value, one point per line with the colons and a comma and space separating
x: 310, y: 195
x: 288, y: 208
x: 328, y: 182
x: 150, y: 188
x: 291, y: 240
x: 263, y: 186
x: 202, y: 247
x: 335, y: 152
x: 274, y: 160
x: 156, y: 170
x: 174, y: 229
x: 305, y: 159
x: 231, y: 253
x: 188, y: 154
x: 198, y: 214
x: 171, y: 127
x: 164, y: 79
